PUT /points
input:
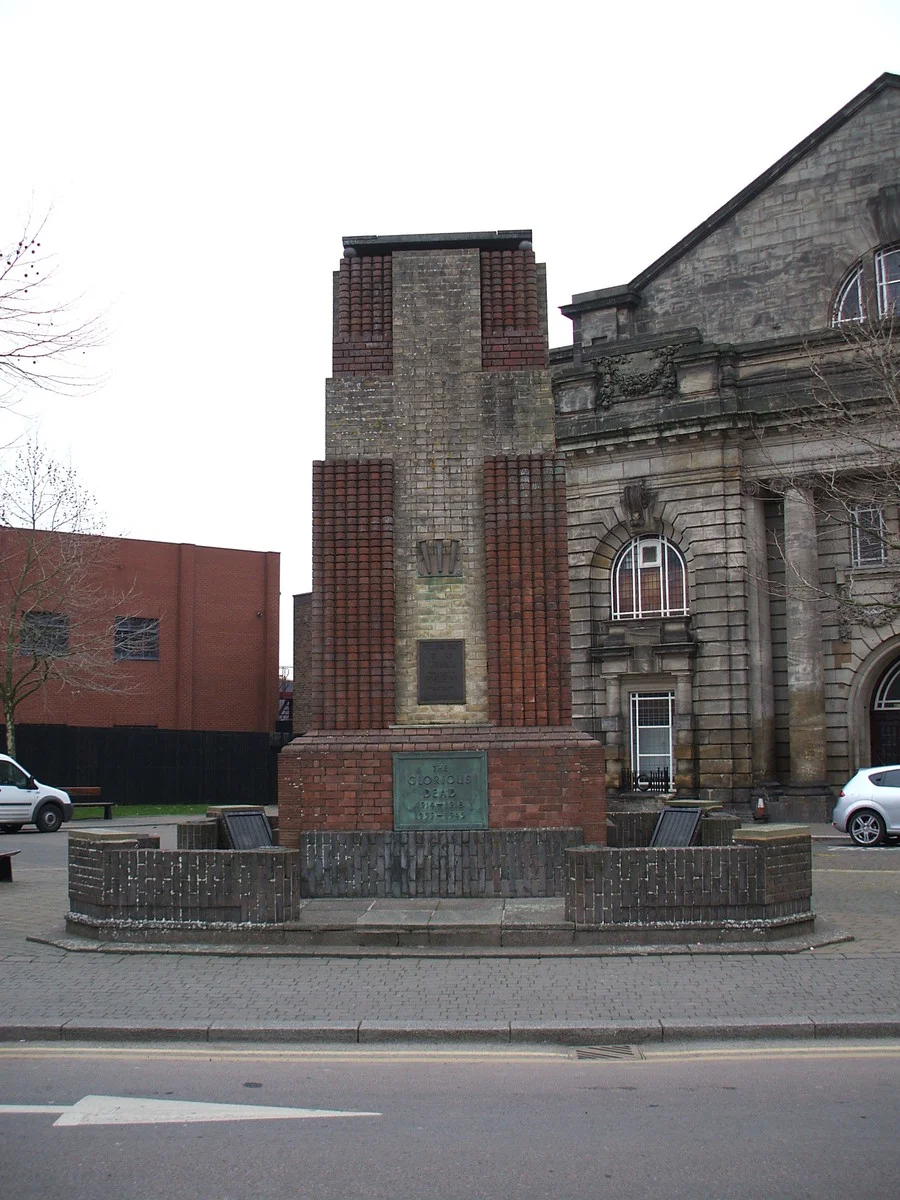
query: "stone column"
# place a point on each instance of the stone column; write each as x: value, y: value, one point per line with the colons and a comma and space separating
x: 612, y: 726
x: 683, y: 733
x: 759, y: 632
x: 805, y: 661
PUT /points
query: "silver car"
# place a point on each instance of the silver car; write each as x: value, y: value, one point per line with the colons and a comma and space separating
x: 868, y: 807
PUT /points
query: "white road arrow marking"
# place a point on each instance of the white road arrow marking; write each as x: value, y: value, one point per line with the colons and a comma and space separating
x: 133, y: 1110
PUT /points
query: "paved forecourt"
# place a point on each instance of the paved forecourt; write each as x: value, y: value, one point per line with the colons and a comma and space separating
x: 849, y: 989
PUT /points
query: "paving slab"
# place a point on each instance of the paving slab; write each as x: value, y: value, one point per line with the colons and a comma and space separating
x: 317, y: 993
x: 449, y: 918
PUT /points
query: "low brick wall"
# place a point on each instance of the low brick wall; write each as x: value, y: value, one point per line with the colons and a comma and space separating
x: 113, y: 879
x: 634, y: 827
x: 765, y: 877
x: 514, y: 863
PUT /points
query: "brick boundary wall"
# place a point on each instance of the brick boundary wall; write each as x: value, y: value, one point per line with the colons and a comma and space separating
x: 527, y: 591
x: 490, y: 863
x: 537, y: 778
x: 764, y: 877
x: 114, y: 878
x: 353, y: 594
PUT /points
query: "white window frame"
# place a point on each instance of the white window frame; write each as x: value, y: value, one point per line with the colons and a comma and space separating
x: 862, y: 555
x: 887, y: 279
x: 638, y: 547
x: 646, y: 761
x: 852, y: 286
x: 882, y: 702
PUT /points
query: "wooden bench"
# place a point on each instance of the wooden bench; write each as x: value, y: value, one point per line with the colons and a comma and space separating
x: 89, y: 797
x: 6, y: 865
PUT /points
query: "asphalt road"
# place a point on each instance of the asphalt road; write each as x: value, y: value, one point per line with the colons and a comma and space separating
x: 816, y: 1121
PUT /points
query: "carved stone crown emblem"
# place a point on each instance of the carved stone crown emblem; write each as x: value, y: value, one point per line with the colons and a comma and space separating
x: 637, y: 500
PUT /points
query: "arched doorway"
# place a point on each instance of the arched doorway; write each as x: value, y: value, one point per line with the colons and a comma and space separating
x: 885, y: 718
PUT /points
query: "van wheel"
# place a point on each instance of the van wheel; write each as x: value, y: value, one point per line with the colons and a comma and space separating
x: 10, y: 828
x: 49, y: 818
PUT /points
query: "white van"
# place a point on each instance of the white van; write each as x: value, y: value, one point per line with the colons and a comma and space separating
x: 24, y: 801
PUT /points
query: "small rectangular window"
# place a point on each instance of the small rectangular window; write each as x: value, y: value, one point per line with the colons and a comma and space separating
x: 867, y: 535
x: 44, y: 634
x: 137, y: 638
x: 651, y: 734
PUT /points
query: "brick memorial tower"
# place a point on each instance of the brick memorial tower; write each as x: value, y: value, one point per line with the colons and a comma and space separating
x: 441, y: 757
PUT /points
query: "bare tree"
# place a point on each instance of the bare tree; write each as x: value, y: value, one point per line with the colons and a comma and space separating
x: 43, y: 339
x: 58, y: 613
x: 845, y: 454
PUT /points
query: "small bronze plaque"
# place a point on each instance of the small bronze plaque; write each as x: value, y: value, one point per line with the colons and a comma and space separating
x: 442, y: 672
x: 440, y: 791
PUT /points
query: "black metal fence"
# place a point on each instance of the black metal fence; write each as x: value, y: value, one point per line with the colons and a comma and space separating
x: 153, y: 766
x: 645, y: 781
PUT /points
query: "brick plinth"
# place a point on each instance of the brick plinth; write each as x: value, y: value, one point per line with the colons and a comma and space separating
x: 537, y: 778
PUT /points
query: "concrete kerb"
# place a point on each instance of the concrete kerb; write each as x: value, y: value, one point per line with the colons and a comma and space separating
x: 515, y: 1033
x: 478, y: 944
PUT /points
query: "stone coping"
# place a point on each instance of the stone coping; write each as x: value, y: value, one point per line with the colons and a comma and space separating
x: 772, y: 833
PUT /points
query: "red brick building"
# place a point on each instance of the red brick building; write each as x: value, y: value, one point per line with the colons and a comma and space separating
x: 185, y: 642
x: 209, y: 657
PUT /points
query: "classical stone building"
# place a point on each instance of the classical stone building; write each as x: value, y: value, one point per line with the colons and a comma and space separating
x: 733, y: 523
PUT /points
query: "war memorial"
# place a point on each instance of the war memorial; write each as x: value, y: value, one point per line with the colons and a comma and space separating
x: 441, y: 763
x: 441, y: 757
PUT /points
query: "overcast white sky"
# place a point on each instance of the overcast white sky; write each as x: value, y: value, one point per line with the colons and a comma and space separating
x: 203, y: 158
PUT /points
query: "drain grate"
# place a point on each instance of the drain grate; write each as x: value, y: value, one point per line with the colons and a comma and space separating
x: 615, y: 1053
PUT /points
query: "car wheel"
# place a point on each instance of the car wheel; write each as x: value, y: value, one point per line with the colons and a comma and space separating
x: 10, y: 828
x: 49, y: 818
x: 866, y: 828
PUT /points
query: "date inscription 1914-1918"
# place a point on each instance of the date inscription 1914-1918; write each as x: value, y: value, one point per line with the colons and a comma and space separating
x: 440, y: 792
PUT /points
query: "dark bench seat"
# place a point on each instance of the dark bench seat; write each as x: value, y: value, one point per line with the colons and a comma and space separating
x: 6, y: 865
x: 90, y: 797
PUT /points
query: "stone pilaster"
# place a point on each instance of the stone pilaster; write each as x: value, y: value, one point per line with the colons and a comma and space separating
x: 762, y: 690
x: 805, y: 660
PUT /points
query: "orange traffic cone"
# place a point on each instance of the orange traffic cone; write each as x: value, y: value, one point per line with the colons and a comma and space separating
x: 760, y: 812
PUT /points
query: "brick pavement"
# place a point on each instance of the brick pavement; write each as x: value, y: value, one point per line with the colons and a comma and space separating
x: 851, y: 988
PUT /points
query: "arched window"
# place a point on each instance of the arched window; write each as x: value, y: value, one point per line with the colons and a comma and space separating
x: 849, y: 305
x: 649, y: 579
x: 887, y: 280
x: 888, y: 694
x: 872, y: 285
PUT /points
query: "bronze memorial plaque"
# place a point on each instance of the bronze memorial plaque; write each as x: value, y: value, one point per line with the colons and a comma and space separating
x: 442, y: 672
x: 440, y: 791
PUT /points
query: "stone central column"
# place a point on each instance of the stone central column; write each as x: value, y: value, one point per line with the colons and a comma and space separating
x: 805, y: 661
x: 762, y: 689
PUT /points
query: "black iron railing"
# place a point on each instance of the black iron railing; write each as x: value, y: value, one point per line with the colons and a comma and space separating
x: 645, y: 781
